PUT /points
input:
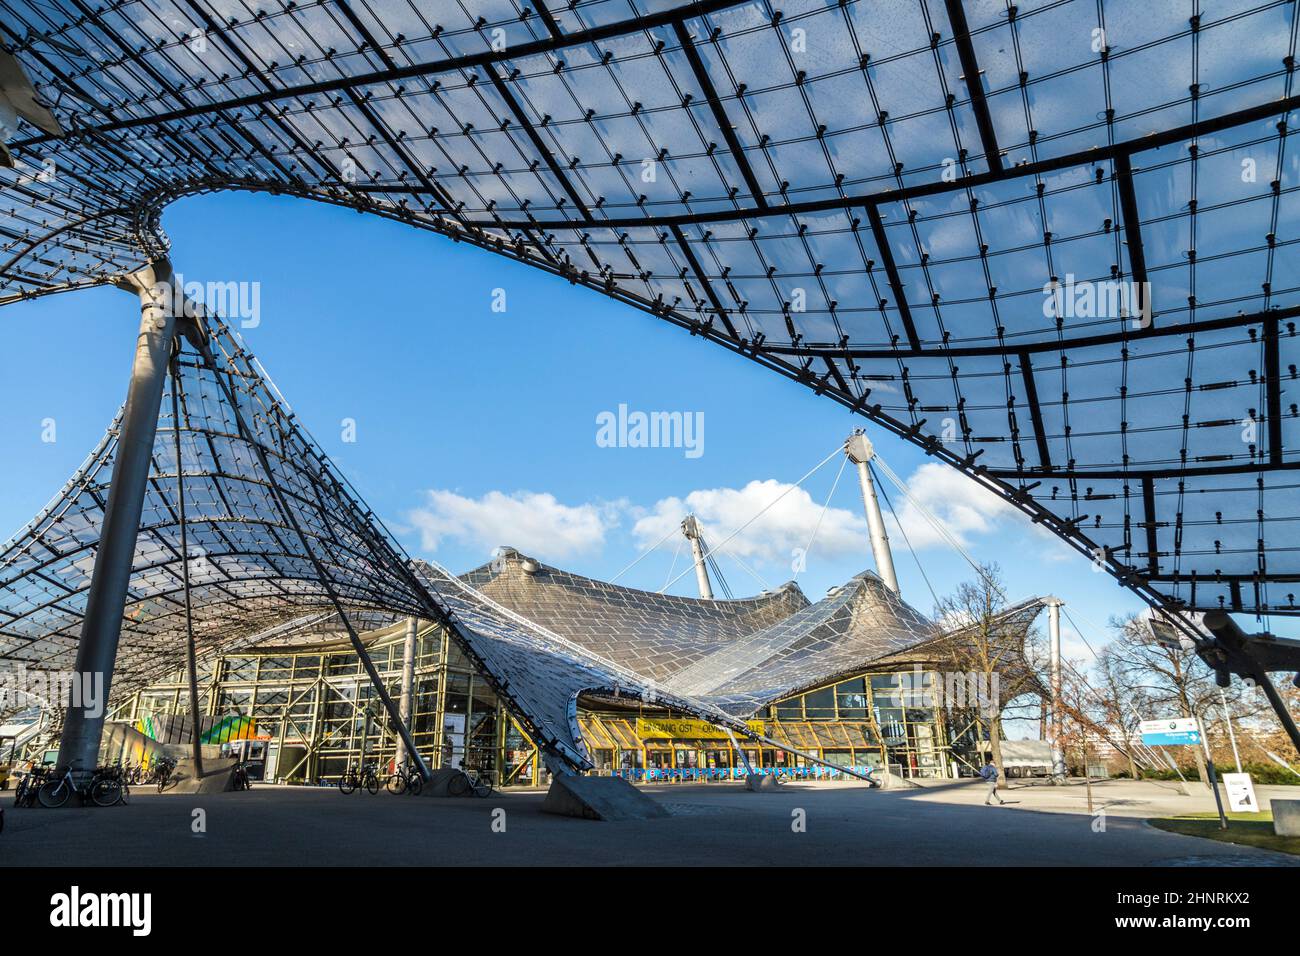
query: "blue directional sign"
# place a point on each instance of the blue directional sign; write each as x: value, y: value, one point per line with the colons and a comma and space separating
x: 1172, y: 732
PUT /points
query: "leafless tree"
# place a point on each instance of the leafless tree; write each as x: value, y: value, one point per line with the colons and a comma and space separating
x: 1164, y: 680
x: 1117, y: 704
x: 985, y: 644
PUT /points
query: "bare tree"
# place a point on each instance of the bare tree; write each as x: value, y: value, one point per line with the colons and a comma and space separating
x: 985, y: 644
x: 1164, y: 678
x: 1117, y: 703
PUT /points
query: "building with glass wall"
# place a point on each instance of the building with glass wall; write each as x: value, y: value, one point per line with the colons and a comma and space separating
x: 314, y: 711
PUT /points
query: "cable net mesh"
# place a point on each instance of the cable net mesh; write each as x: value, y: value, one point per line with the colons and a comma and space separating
x: 250, y: 573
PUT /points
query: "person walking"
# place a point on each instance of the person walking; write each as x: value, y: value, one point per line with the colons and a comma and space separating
x: 989, y: 774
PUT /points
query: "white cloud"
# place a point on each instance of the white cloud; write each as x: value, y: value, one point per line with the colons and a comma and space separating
x: 962, y: 506
x: 539, y: 524
x: 534, y: 523
x: 772, y: 537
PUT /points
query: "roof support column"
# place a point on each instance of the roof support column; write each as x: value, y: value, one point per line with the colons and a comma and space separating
x: 106, y: 599
x: 408, y: 686
x: 858, y: 448
x: 1055, y: 728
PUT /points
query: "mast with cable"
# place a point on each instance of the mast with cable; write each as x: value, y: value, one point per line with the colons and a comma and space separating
x: 691, y: 528
x: 860, y: 451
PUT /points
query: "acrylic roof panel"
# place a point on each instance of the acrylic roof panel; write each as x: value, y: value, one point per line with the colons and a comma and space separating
x: 859, y: 624
x: 655, y: 635
x: 543, y: 673
x: 870, y: 197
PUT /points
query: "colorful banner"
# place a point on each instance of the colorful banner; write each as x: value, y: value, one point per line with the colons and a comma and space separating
x: 175, y: 728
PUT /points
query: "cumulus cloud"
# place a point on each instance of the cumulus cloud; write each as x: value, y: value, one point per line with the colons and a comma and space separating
x: 540, y: 524
x: 774, y: 536
x: 961, y: 505
x: 534, y: 523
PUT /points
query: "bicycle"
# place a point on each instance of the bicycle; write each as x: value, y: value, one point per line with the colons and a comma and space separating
x: 104, y: 788
x: 366, y: 778
x: 28, y: 784
x: 162, y: 772
x: 115, y: 775
x: 465, y: 783
x: 405, y: 780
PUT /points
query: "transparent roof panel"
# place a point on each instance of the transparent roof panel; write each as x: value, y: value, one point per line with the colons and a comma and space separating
x: 1051, y: 242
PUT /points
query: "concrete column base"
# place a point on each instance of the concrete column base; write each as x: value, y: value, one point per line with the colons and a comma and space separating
x: 599, y: 798
x: 439, y: 782
x: 218, y: 776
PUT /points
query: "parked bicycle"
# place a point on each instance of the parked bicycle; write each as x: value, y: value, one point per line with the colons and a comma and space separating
x: 367, y: 778
x: 104, y: 788
x: 467, y: 782
x: 162, y: 769
x: 405, y: 780
x: 28, y: 785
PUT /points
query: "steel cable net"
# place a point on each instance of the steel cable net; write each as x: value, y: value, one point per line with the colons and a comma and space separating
x: 1047, y: 242
x: 557, y: 635
x: 251, y: 578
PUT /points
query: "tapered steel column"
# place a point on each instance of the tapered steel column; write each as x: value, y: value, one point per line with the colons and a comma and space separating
x: 1054, y: 723
x: 860, y: 451
x: 408, y: 681
x: 106, y: 600
x: 691, y: 528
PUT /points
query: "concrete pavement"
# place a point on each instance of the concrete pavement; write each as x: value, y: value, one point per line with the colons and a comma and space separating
x: 710, y: 824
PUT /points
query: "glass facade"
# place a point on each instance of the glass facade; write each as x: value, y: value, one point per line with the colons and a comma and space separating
x: 317, y: 713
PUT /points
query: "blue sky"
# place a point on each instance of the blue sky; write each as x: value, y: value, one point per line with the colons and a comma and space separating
x: 476, y: 428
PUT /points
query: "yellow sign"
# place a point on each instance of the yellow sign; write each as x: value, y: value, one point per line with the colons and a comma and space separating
x: 662, y: 728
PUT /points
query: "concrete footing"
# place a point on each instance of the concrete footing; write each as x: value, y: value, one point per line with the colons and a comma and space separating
x: 892, y: 781
x: 437, y: 785
x: 218, y: 776
x: 599, y: 798
x: 1286, y: 817
x: 758, y: 784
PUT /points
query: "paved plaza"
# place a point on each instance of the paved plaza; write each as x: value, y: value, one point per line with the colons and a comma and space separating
x: 718, y: 824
